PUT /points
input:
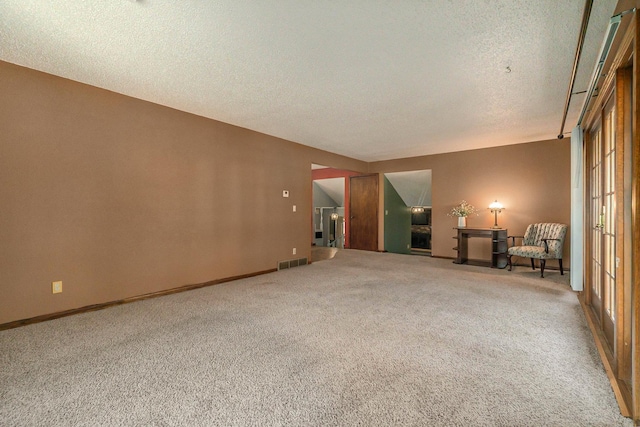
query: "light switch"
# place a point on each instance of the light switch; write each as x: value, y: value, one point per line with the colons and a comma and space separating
x: 294, y: 208
x: 285, y: 193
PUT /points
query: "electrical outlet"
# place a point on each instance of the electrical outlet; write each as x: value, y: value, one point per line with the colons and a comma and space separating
x: 294, y: 251
x: 285, y: 193
x: 56, y: 287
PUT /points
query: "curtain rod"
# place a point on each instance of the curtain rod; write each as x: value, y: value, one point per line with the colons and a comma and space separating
x: 583, y: 30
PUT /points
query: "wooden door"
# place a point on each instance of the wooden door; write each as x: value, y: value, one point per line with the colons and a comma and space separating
x: 602, y: 233
x: 363, y: 203
x: 595, y: 223
x: 624, y: 242
x: 612, y: 220
x: 609, y: 257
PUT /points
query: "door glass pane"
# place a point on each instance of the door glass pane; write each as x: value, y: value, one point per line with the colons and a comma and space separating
x: 609, y: 232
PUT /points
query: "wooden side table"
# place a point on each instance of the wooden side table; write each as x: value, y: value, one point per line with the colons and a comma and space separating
x: 498, y: 238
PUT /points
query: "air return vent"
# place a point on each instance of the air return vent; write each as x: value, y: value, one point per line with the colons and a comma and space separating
x: 292, y: 263
x: 283, y: 264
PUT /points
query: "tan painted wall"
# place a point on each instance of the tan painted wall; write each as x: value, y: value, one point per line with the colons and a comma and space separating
x: 531, y: 180
x: 119, y: 197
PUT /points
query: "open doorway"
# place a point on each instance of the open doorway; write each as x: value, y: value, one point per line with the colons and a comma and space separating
x: 408, y: 226
x: 332, y: 221
x: 421, y: 230
x: 329, y: 215
x: 328, y: 212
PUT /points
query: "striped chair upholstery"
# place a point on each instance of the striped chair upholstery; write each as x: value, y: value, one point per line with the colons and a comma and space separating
x: 541, y: 241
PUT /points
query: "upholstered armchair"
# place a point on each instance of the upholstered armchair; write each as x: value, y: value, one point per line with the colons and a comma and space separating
x: 541, y: 241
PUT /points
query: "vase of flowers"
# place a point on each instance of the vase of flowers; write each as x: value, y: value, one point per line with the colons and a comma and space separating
x: 462, y: 211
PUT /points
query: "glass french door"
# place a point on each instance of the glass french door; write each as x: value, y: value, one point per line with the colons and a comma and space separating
x: 602, y: 188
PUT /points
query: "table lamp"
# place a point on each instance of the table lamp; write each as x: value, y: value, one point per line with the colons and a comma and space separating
x: 496, y: 207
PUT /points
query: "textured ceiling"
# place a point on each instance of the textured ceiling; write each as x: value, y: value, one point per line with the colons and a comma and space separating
x: 369, y: 79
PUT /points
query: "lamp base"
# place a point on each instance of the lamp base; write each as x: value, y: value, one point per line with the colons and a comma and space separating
x: 495, y: 219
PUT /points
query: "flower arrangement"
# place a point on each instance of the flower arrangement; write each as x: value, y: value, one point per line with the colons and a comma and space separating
x: 464, y: 209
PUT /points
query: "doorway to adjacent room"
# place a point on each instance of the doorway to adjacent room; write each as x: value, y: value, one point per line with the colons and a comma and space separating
x: 328, y: 212
x: 407, y: 220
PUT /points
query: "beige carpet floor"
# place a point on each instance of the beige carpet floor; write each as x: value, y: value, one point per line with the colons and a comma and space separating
x: 363, y: 339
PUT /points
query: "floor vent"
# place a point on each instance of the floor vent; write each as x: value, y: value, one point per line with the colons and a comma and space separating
x: 292, y: 263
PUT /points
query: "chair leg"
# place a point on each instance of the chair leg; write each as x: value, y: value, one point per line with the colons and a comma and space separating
x: 542, y: 268
x: 561, y: 270
x: 533, y: 266
x: 509, y: 260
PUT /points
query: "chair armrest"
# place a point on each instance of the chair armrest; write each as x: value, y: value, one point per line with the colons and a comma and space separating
x: 546, y: 245
x: 513, y: 239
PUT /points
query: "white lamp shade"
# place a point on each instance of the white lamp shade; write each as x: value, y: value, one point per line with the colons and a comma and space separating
x: 496, y: 206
